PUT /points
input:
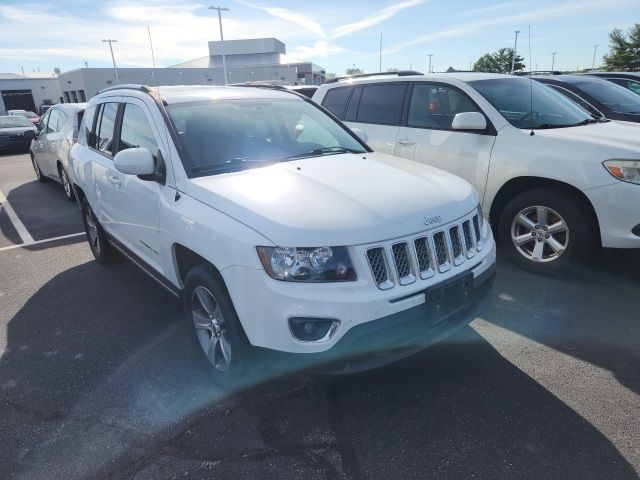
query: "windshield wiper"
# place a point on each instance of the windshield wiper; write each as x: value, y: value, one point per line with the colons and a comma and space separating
x: 232, y: 163
x: 320, y: 151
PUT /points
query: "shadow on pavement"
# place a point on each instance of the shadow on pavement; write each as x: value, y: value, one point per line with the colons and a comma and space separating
x: 591, y: 313
x: 103, y: 381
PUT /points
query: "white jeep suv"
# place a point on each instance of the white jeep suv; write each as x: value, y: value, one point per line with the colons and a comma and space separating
x: 554, y: 181
x: 277, y: 226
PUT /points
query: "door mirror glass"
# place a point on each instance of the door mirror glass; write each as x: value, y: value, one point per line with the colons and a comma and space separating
x: 469, y: 121
x: 135, y: 161
x: 361, y: 134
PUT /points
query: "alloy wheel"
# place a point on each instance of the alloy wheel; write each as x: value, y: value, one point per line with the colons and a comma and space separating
x: 211, y: 329
x: 540, y: 234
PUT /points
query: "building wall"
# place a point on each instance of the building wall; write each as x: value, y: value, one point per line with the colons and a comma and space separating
x: 42, y: 89
x: 92, y: 80
x: 247, y: 46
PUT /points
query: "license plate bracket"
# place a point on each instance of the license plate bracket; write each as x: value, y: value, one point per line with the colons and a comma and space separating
x: 443, y: 301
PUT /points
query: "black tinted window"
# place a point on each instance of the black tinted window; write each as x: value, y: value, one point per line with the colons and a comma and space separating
x: 382, y: 104
x: 336, y: 100
x: 107, y: 122
x: 352, y: 109
x: 85, y: 136
x: 435, y: 106
x: 136, y: 131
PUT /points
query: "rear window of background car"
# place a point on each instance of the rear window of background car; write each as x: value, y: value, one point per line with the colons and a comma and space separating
x: 382, y: 104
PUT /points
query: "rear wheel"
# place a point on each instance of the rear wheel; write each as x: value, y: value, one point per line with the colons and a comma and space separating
x: 66, y: 184
x: 41, y: 178
x: 102, y: 251
x: 217, y: 330
x: 545, y: 230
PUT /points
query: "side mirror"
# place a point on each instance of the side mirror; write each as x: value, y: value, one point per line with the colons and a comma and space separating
x: 362, y: 135
x: 135, y: 161
x: 469, y: 121
x: 30, y: 134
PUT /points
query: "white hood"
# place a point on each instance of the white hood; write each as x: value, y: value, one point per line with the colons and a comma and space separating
x: 613, y: 134
x: 346, y: 199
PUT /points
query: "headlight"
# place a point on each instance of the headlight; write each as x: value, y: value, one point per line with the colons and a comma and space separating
x: 316, y: 264
x: 625, y: 170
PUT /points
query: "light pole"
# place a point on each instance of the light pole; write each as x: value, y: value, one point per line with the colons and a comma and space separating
x: 224, y: 60
x: 593, y: 64
x: 515, y: 49
x: 380, y: 66
x: 553, y: 59
x: 429, y: 55
x: 115, y: 69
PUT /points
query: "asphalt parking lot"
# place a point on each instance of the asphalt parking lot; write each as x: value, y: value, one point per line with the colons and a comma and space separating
x: 98, y: 377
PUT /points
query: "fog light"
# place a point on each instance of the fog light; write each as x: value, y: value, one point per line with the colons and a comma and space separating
x: 636, y: 230
x: 313, y: 329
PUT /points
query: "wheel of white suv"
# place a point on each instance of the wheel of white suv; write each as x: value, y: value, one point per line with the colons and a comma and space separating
x: 41, y: 178
x: 66, y: 184
x: 217, y: 330
x: 102, y: 251
x: 544, y: 230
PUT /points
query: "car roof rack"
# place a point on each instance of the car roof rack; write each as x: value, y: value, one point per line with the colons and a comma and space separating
x: 538, y: 72
x: 127, y: 86
x: 273, y: 86
x: 399, y: 73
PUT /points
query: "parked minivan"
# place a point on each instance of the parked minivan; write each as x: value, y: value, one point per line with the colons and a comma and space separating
x: 555, y: 182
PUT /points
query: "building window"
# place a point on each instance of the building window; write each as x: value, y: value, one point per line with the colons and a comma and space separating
x: 81, y: 95
x: 74, y: 96
x: 67, y: 99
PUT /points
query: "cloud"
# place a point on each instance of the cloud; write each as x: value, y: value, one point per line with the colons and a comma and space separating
x: 490, y: 9
x: 375, y: 18
x: 299, y: 19
x: 570, y: 8
x: 320, y: 49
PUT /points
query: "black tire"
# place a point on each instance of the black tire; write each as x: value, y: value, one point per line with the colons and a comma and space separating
x: 39, y: 175
x: 67, y: 188
x: 205, y: 279
x: 100, y: 247
x: 579, y: 241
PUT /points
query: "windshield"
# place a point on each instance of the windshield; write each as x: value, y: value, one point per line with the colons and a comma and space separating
x: 512, y: 97
x: 613, y: 96
x: 234, y: 134
x: 14, y: 121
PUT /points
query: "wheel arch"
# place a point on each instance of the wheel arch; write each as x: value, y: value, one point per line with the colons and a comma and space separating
x: 184, y: 259
x: 518, y: 185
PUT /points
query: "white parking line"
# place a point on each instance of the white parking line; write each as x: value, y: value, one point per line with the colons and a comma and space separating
x: 24, y: 234
x: 36, y: 242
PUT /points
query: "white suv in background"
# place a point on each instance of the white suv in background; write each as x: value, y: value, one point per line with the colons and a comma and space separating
x: 277, y: 226
x: 554, y: 181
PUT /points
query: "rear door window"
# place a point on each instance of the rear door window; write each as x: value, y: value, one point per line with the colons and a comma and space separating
x: 336, y: 100
x: 352, y: 108
x: 85, y: 134
x: 382, y: 104
x: 105, y: 129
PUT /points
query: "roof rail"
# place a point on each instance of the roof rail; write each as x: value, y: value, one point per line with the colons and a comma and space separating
x: 127, y: 86
x: 399, y: 73
x: 273, y: 86
x: 538, y: 72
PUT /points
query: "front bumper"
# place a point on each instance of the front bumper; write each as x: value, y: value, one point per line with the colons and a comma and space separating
x: 617, y: 210
x: 264, y: 305
x: 14, y: 143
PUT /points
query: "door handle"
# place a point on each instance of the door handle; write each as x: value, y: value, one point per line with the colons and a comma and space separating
x: 406, y: 141
x: 114, y: 180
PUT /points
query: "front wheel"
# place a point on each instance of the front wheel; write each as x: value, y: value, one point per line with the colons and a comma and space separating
x: 217, y: 330
x: 545, y: 230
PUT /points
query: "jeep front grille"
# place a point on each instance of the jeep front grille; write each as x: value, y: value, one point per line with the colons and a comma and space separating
x: 431, y: 253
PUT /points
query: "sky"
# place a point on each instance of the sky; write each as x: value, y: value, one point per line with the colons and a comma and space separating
x: 335, y: 34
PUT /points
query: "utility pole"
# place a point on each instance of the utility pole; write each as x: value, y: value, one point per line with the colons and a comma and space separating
x: 224, y: 60
x: 553, y: 61
x: 429, y: 55
x: 515, y: 49
x: 115, y: 69
x: 380, y: 68
x: 593, y: 64
x: 22, y: 68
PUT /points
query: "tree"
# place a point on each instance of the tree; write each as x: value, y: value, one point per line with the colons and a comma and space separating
x: 329, y: 75
x: 624, y: 50
x: 499, y: 62
x: 353, y: 71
